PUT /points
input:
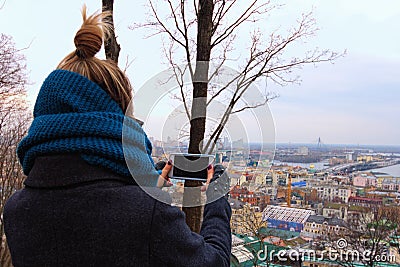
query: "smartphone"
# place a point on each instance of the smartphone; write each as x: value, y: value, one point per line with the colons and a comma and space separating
x: 190, y: 166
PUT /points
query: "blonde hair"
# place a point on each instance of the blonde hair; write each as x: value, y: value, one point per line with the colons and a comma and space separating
x: 106, y: 73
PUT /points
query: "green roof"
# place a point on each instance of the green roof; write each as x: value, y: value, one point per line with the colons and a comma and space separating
x: 270, y: 264
x: 333, y: 206
x: 357, y: 208
x: 355, y: 264
x: 282, y: 234
x: 253, y: 244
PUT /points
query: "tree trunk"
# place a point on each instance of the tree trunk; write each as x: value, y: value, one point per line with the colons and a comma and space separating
x: 111, y: 46
x: 5, y: 256
x: 198, y: 116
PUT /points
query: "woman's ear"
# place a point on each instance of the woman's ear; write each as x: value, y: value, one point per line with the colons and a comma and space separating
x: 129, y: 113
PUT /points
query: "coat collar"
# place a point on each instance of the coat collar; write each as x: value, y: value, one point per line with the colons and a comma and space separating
x: 68, y: 170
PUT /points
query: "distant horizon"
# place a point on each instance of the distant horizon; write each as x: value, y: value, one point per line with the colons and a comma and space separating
x: 387, y: 148
x: 340, y: 144
x: 299, y: 143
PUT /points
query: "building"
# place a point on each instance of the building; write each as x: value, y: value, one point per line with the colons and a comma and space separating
x: 243, y: 194
x: 334, y: 193
x: 335, y: 210
x: 260, y: 179
x: 345, y: 212
x: 270, y: 191
x: 365, y: 158
x: 380, y: 178
x: 388, y: 197
x: 303, y: 150
x: 285, y: 218
x: 365, y: 201
x: 250, y: 197
x: 245, y: 248
x: 364, y: 180
x: 240, y: 252
x: 245, y: 219
x: 391, y: 184
x: 350, y: 156
x: 317, y: 225
x: 275, y: 177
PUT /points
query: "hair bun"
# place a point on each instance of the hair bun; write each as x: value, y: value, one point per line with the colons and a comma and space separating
x: 89, y: 38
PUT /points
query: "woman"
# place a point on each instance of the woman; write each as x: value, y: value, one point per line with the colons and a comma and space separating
x: 80, y: 205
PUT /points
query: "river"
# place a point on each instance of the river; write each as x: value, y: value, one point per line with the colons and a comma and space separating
x: 317, y: 165
x: 393, y: 170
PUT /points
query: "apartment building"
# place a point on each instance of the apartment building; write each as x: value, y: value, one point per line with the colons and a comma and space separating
x: 333, y: 193
x: 317, y: 225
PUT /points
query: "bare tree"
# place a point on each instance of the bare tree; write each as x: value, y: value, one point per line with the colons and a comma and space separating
x: 14, y: 120
x: 203, y: 32
x: 253, y: 223
x: 246, y: 220
x: 367, y: 236
x: 111, y: 46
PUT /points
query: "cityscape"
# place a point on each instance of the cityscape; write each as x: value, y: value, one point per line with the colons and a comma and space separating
x: 309, y: 204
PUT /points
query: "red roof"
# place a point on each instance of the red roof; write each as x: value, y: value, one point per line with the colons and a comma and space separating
x: 365, y: 199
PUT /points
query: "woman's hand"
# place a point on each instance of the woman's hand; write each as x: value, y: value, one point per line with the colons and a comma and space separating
x: 163, y: 179
x: 219, y: 180
x: 210, y: 175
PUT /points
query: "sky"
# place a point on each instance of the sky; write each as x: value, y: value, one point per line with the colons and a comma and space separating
x: 353, y: 101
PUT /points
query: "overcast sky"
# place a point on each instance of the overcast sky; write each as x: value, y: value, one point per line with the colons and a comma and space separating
x: 354, y: 101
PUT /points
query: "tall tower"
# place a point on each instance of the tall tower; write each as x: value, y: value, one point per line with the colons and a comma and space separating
x: 319, y: 144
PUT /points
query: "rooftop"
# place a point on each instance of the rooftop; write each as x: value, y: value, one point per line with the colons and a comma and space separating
x: 244, y: 252
x: 391, y: 181
x: 334, y: 206
x: 365, y: 199
x: 282, y: 234
x: 286, y: 214
x: 236, y: 204
x: 321, y: 219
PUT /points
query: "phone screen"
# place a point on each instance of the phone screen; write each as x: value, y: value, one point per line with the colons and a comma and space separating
x: 191, y: 167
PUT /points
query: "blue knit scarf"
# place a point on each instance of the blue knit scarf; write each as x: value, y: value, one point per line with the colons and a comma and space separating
x: 74, y: 115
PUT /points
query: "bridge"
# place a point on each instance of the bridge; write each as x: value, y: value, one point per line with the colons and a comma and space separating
x: 360, y: 166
